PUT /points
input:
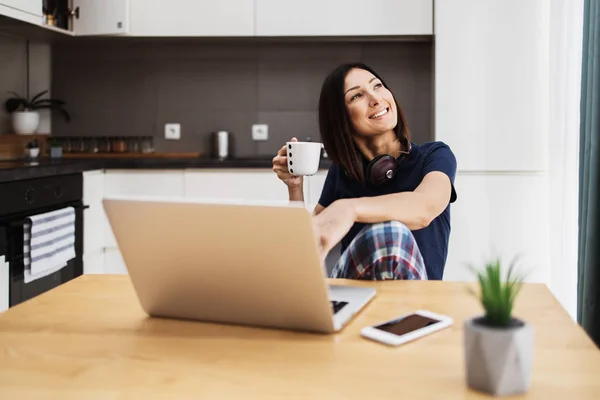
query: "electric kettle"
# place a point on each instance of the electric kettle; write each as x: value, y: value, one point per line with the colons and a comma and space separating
x: 221, y: 145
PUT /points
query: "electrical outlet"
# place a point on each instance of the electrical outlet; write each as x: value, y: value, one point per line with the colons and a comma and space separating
x: 260, y: 132
x: 172, y: 131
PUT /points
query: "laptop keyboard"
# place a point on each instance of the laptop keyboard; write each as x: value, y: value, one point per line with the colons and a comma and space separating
x: 338, y: 305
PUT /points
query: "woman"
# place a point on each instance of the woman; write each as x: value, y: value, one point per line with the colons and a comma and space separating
x: 387, y: 199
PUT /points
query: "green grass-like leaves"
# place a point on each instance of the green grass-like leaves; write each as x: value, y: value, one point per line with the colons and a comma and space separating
x: 497, y: 296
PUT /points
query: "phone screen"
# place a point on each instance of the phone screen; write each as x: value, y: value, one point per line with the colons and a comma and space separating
x: 407, y: 324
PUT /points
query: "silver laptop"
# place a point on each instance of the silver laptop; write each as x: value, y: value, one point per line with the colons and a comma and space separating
x: 231, y: 262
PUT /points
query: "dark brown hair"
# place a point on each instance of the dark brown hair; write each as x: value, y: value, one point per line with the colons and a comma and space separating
x: 336, y: 128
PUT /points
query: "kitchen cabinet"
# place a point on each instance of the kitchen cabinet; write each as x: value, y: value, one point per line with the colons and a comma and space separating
x: 4, y: 284
x: 140, y: 183
x: 233, y: 184
x: 496, y: 215
x: 93, y: 18
x: 113, y: 262
x: 23, y: 10
x: 94, y: 222
x: 235, y: 18
x: 315, y: 187
x: 192, y: 18
x: 151, y: 183
x: 491, y: 83
x: 106, y: 17
x: 344, y: 17
x: 219, y: 184
x: 135, y: 183
x: 93, y: 217
x: 93, y: 263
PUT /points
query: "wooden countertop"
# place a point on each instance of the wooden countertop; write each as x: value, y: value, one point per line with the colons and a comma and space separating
x: 89, y: 339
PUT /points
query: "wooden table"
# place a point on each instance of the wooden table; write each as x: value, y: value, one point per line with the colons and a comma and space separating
x: 89, y: 339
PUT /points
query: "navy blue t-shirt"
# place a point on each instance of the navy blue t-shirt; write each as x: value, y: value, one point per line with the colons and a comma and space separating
x: 433, y: 239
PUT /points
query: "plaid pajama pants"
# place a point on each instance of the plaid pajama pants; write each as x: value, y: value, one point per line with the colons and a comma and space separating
x: 381, y: 251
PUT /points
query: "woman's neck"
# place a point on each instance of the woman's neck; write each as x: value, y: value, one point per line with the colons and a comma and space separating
x: 386, y: 143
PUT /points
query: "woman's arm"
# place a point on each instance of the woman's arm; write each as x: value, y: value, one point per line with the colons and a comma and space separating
x: 296, y: 193
x: 318, y: 209
x: 414, y: 209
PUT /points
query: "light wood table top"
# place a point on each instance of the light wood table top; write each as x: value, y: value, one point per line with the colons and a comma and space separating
x: 89, y: 339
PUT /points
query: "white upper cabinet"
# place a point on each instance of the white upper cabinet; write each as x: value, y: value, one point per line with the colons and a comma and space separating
x: 106, y: 17
x: 192, y: 18
x: 344, y: 17
x: 491, y: 82
x: 24, y: 10
x: 235, y: 18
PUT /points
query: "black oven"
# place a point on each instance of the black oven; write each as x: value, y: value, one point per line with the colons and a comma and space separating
x: 23, y: 198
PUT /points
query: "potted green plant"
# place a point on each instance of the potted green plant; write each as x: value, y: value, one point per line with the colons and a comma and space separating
x: 32, y: 149
x: 498, y: 345
x: 24, y: 111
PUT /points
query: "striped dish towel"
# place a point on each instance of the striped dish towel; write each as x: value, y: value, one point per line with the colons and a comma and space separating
x: 48, y: 242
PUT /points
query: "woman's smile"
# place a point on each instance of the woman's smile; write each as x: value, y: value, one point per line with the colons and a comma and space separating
x: 379, y: 114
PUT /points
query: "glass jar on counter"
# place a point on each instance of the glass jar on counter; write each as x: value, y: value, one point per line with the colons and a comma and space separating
x: 78, y: 144
x: 92, y: 145
x: 133, y: 144
x: 64, y: 143
x: 118, y: 144
x: 103, y: 144
x: 147, y: 144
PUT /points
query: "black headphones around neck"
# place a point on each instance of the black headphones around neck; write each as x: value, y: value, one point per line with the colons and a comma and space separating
x: 383, y: 168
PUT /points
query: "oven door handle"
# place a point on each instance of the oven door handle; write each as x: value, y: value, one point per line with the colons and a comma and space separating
x: 22, y: 221
x: 18, y: 223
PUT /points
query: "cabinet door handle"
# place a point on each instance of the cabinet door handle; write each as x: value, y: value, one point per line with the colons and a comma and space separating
x: 75, y: 12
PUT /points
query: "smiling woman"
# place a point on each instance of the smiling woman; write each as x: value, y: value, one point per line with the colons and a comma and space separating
x: 385, y: 198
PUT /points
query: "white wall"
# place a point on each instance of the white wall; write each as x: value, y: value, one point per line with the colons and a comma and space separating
x: 500, y: 92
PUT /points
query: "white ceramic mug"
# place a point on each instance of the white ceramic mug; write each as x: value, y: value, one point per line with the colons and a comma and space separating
x: 303, y: 157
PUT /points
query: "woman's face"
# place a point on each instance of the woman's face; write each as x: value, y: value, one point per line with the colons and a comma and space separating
x: 370, y: 105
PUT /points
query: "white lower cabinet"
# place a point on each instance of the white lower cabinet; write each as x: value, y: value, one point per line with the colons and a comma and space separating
x: 93, y: 262
x: 93, y: 227
x: 113, y: 262
x: 495, y: 215
x: 134, y: 183
x: 227, y: 184
x: 94, y: 222
x: 140, y: 183
x: 315, y: 185
x: 144, y: 183
x: 234, y: 184
x: 4, y: 284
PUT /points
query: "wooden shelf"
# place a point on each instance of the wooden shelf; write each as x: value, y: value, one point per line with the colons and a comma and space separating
x: 132, y: 155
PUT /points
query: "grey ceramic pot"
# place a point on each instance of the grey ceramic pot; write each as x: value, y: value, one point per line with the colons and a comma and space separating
x: 498, y: 360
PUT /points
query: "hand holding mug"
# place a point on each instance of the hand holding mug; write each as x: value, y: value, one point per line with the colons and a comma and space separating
x: 280, y: 167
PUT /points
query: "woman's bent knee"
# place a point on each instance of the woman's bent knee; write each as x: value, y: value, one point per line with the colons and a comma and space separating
x: 382, y: 251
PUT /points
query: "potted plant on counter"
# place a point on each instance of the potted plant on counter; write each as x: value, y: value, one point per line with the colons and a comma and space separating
x: 24, y: 111
x: 498, y: 346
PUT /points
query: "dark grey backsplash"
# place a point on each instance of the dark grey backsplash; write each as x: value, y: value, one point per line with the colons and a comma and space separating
x: 13, y: 75
x: 123, y: 87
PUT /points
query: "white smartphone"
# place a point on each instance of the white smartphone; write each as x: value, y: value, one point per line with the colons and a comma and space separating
x: 407, y: 327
